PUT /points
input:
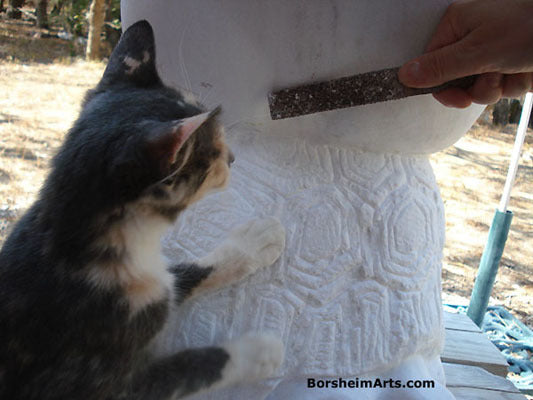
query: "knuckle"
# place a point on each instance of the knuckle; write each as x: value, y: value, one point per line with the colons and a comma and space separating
x: 453, y: 10
x: 458, y: 7
x: 460, y: 17
x: 436, y: 67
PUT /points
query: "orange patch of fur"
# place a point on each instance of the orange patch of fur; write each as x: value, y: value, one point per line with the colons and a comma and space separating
x: 139, y: 290
x: 221, y: 277
x: 143, y: 280
x: 218, y: 175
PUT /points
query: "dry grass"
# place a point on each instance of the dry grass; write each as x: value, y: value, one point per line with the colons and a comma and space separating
x: 471, y: 175
x: 23, y: 42
x: 39, y: 104
x: 41, y: 100
x: 42, y: 85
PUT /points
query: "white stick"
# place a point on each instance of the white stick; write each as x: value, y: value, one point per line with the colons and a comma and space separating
x: 517, y: 149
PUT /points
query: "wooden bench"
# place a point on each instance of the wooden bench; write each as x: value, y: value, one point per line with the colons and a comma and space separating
x: 474, y: 367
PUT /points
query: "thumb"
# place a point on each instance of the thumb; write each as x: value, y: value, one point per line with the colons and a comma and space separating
x: 439, y: 66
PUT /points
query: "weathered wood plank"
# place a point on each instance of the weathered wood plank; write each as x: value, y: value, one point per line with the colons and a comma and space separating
x: 473, y: 348
x: 475, y: 377
x: 473, y: 366
x: 461, y: 393
x: 459, y: 322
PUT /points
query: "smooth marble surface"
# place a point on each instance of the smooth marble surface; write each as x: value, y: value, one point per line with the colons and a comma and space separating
x: 235, y: 52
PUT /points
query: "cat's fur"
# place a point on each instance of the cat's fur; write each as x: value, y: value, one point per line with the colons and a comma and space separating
x: 83, y: 285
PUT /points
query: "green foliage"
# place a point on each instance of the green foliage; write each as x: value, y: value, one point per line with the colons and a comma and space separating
x: 113, y: 12
x: 72, y: 16
x: 75, y: 15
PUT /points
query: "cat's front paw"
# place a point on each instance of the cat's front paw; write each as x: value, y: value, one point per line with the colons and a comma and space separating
x: 253, y: 357
x: 259, y: 241
x: 251, y: 246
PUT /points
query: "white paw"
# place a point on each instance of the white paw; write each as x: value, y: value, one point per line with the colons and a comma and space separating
x: 253, y: 357
x: 251, y: 246
x: 260, y: 241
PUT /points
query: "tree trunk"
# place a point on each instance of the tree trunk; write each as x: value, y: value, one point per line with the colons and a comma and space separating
x: 13, y: 10
x: 58, y: 5
x: 515, y: 111
x: 96, y: 21
x: 42, y: 16
x: 500, y: 113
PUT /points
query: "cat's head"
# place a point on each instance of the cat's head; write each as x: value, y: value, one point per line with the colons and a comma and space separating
x: 139, y: 141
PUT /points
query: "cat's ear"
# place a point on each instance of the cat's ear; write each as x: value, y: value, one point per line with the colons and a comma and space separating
x: 165, y: 141
x: 133, y: 59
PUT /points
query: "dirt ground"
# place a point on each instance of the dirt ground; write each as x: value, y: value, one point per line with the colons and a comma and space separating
x: 471, y: 175
x: 42, y: 87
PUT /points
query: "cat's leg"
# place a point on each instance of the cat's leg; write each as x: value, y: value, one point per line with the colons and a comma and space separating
x: 251, y: 246
x: 246, y: 359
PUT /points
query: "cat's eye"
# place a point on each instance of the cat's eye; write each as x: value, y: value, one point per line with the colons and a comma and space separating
x: 168, y: 182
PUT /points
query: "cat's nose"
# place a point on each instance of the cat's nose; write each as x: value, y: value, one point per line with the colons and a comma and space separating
x: 231, y: 158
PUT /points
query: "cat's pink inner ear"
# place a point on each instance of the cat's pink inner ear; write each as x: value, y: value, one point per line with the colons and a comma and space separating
x: 188, y: 126
x: 185, y: 128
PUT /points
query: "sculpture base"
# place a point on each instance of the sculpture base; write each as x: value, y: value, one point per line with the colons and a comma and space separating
x: 358, y: 287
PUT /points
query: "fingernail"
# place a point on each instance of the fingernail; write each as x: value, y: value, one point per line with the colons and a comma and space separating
x: 413, y: 70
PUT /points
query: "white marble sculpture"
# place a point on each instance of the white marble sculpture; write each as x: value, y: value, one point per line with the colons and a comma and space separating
x: 357, y: 291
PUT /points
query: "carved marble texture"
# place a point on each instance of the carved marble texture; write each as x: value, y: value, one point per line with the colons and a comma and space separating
x: 358, y: 287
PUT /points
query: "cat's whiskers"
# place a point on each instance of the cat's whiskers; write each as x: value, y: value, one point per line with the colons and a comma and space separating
x: 203, y: 98
x: 183, y: 67
x: 253, y: 119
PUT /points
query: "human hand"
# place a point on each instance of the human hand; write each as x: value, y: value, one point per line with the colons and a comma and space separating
x: 492, y: 38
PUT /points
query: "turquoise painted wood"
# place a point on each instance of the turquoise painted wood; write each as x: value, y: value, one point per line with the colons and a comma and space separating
x: 488, y: 266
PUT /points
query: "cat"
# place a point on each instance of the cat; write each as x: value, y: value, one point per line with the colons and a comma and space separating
x: 84, y: 288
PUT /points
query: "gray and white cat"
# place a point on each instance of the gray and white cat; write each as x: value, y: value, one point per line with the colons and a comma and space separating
x: 84, y: 287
